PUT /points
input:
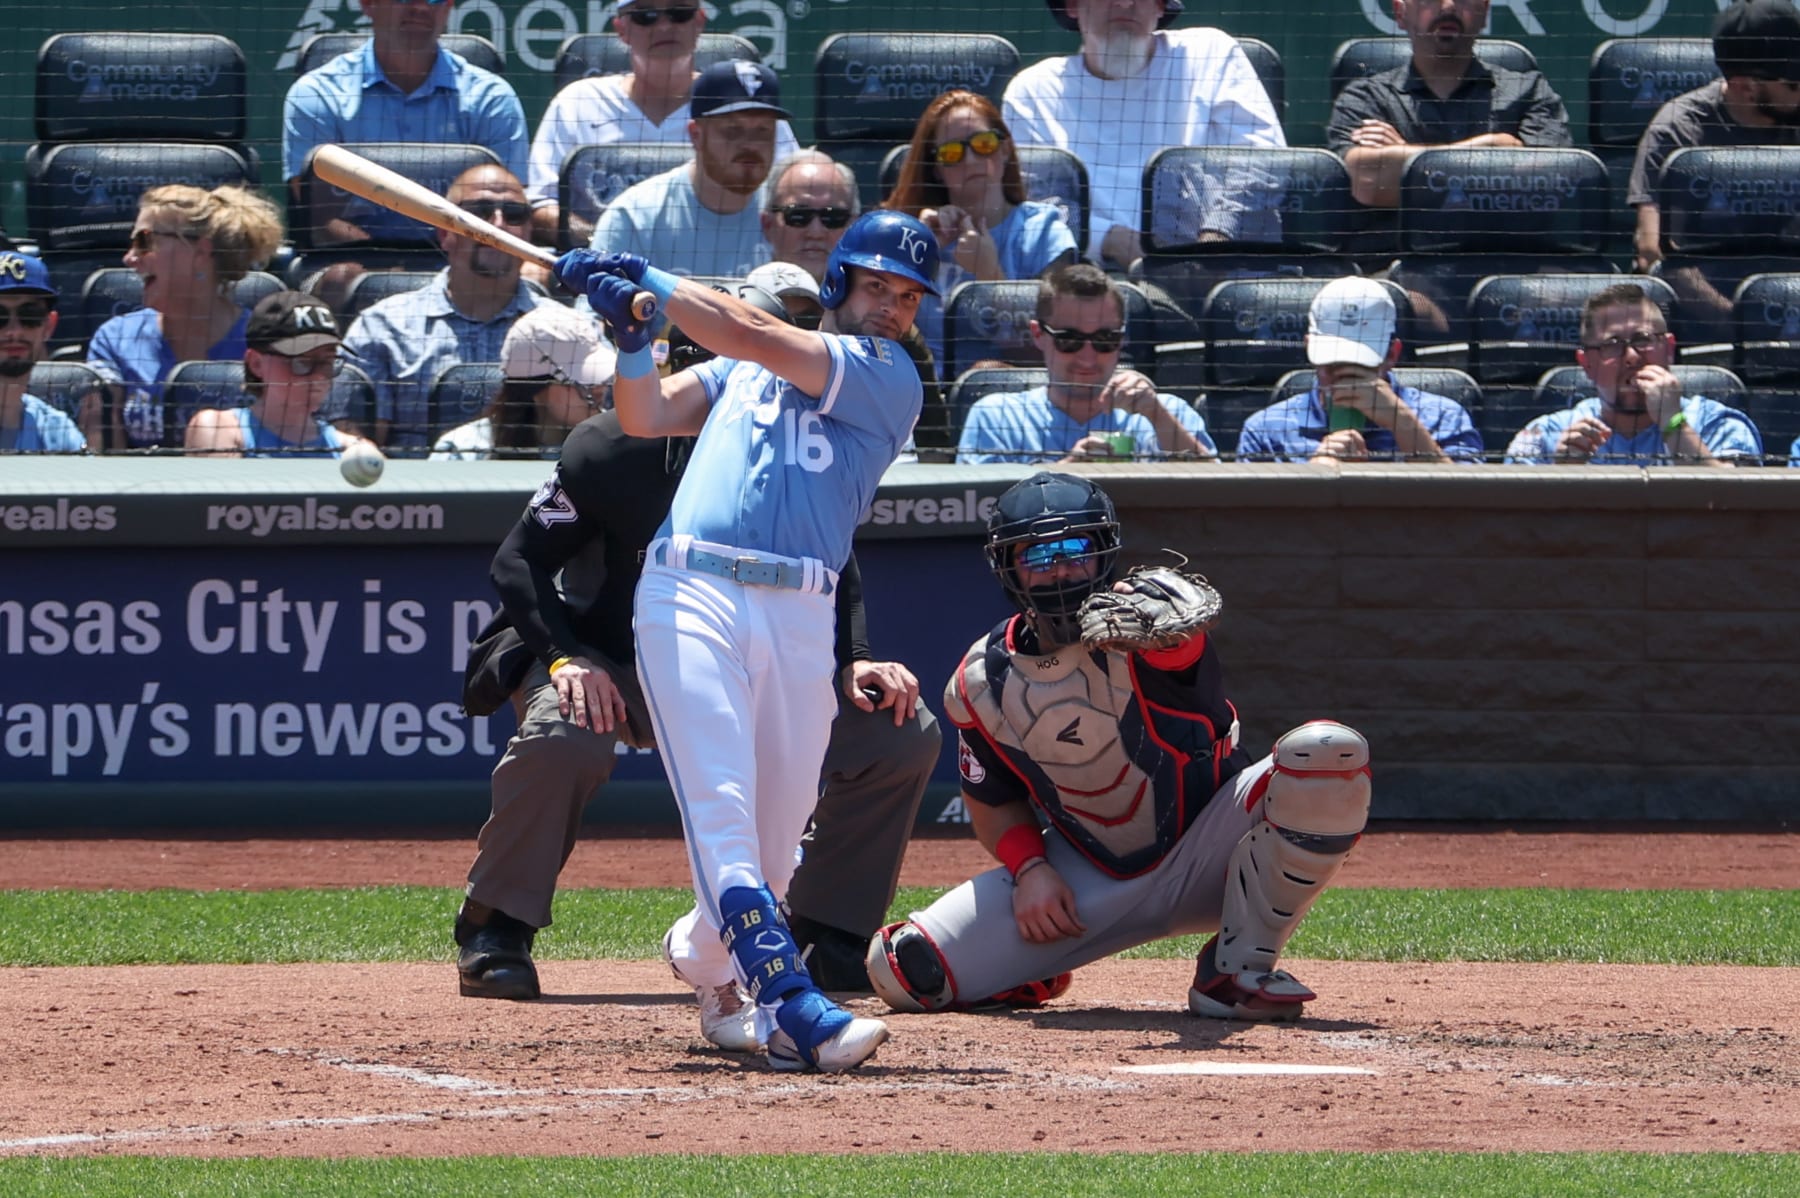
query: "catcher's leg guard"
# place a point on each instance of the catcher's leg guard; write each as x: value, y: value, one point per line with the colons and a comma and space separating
x: 906, y: 970
x: 1314, y: 808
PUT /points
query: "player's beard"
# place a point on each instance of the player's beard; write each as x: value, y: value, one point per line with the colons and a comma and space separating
x: 1124, y: 53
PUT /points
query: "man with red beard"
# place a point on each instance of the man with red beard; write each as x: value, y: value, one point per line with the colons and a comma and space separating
x: 705, y: 217
x: 1641, y: 417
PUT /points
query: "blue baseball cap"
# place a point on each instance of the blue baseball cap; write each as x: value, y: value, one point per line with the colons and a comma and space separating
x: 736, y: 86
x: 22, y: 272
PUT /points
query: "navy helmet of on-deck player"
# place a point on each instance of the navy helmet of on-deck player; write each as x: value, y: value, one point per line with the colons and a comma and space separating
x: 892, y: 242
x: 1050, y: 507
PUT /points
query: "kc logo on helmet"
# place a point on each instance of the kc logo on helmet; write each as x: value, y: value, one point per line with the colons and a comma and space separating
x: 912, y: 245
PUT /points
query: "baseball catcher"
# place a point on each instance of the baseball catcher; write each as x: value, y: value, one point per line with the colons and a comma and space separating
x: 1101, y: 767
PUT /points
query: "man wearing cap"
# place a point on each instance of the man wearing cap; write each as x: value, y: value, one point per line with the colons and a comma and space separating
x: 705, y: 216
x: 1088, y: 409
x: 1136, y: 87
x: 1756, y: 44
x: 1640, y: 417
x: 557, y: 371
x: 1442, y: 96
x: 1355, y: 411
x: 28, y: 305
x: 797, y: 290
x: 404, y: 342
x: 290, y: 357
x: 650, y: 103
x: 400, y: 86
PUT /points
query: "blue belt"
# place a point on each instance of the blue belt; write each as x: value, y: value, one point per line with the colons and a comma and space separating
x: 745, y: 569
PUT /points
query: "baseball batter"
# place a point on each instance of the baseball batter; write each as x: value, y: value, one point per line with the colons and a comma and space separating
x: 1100, y: 710
x: 734, y: 609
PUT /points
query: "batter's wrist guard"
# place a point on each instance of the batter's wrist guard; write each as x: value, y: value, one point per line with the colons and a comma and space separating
x: 659, y: 283
x: 761, y: 945
x: 636, y: 363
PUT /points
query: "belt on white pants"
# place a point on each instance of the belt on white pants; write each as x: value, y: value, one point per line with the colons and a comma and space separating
x: 806, y: 574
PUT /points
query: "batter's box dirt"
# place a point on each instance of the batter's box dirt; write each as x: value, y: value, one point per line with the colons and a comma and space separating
x: 342, y: 1060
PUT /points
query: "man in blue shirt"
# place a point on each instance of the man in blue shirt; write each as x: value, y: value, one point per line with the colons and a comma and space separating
x: 400, y: 86
x: 733, y: 611
x: 1355, y: 410
x: 1640, y: 417
x: 405, y: 341
x: 1088, y: 409
x: 28, y: 308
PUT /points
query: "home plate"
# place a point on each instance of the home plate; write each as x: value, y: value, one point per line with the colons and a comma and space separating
x: 1241, y: 1069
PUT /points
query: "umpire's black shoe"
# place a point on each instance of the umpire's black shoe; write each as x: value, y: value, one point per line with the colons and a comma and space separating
x: 495, y: 957
x: 833, y: 956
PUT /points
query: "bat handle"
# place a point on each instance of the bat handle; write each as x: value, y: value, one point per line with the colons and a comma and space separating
x: 643, y: 306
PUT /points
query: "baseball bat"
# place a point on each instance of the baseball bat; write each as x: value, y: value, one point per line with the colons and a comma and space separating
x: 379, y: 185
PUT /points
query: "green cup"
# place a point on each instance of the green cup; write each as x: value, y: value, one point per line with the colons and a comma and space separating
x: 1123, y: 444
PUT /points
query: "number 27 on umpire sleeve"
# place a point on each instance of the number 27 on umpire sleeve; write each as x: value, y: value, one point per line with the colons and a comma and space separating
x: 804, y: 436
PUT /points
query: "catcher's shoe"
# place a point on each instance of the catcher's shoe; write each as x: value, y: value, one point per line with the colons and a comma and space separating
x: 845, y: 1049
x: 1273, y: 997
x: 1027, y: 995
x: 727, y: 1016
x: 832, y: 956
x: 494, y: 958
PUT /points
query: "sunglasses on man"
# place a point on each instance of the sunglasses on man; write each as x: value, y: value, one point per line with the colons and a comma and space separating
x: 30, y: 316
x: 646, y: 17
x: 1070, y: 341
x: 985, y: 145
x: 1041, y: 555
x: 511, y: 212
x: 798, y: 216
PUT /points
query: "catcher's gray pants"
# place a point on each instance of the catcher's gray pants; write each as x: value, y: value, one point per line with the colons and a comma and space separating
x: 874, y: 778
x: 974, y: 929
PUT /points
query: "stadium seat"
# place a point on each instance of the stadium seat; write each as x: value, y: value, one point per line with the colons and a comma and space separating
x: 63, y: 385
x: 986, y: 321
x: 1766, y: 313
x: 371, y: 287
x: 870, y: 89
x: 321, y: 48
x: 84, y: 195
x: 593, y: 176
x: 154, y: 86
x: 1270, y: 71
x: 1727, y: 213
x: 988, y: 380
x: 589, y: 55
x: 433, y: 165
x: 1050, y: 174
x: 1629, y: 78
x: 459, y: 394
x: 1300, y: 197
x: 195, y: 385
x: 360, y: 392
x: 1361, y: 57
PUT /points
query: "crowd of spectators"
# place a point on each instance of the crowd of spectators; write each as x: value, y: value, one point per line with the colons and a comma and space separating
x: 749, y: 202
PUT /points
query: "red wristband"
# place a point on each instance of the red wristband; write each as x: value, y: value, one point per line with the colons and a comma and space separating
x: 1019, y: 845
x: 1176, y: 657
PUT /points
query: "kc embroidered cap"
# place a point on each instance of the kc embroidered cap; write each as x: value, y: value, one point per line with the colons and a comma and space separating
x: 1351, y: 321
x: 291, y: 323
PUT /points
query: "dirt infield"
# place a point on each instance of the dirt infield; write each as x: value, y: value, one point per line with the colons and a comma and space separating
x: 356, y: 1060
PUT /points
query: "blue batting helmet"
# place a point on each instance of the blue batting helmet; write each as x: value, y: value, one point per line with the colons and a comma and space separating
x: 892, y: 242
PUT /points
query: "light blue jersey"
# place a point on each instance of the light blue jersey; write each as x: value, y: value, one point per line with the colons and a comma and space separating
x: 1725, y: 431
x: 1024, y: 426
x: 662, y: 219
x: 778, y: 471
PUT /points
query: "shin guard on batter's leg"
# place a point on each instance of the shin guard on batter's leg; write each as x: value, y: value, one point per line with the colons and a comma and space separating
x: 1314, y: 807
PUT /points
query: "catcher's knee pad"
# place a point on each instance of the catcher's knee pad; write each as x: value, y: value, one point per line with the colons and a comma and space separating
x: 761, y: 945
x: 1314, y: 807
x: 906, y: 970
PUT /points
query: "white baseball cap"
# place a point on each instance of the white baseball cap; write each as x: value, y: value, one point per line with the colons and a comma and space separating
x: 552, y: 341
x: 782, y: 279
x: 1351, y: 320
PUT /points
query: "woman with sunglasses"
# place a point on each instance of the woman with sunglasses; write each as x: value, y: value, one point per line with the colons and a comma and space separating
x: 190, y: 247
x: 557, y: 372
x: 962, y: 179
x: 290, y: 358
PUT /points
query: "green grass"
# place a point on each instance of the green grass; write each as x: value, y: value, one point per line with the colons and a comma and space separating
x: 1403, y: 1175
x: 399, y: 923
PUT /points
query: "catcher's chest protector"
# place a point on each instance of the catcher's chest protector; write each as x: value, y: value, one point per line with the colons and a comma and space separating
x: 1120, y: 778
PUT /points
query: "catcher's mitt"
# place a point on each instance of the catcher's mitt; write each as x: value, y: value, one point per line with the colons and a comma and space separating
x: 1159, y: 608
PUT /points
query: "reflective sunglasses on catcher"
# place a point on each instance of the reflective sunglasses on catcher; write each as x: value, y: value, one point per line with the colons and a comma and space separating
x: 647, y: 17
x: 985, y: 144
x: 798, y: 216
x: 512, y: 212
x: 1613, y: 348
x: 1070, y: 341
x: 30, y: 315
x: 1042, y: 555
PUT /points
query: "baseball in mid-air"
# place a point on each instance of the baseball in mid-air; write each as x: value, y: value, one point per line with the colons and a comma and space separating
x: 361, y: 465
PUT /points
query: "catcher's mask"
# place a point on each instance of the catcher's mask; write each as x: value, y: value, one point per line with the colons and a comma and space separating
x: 1045, y: 519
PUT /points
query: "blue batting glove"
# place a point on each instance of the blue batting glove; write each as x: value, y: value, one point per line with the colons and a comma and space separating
x: 611, y: 297
x: 626, y: 266
x: 574, y: 268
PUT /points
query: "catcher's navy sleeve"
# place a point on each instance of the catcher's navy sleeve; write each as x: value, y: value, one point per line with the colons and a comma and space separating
x: 986, y: 777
